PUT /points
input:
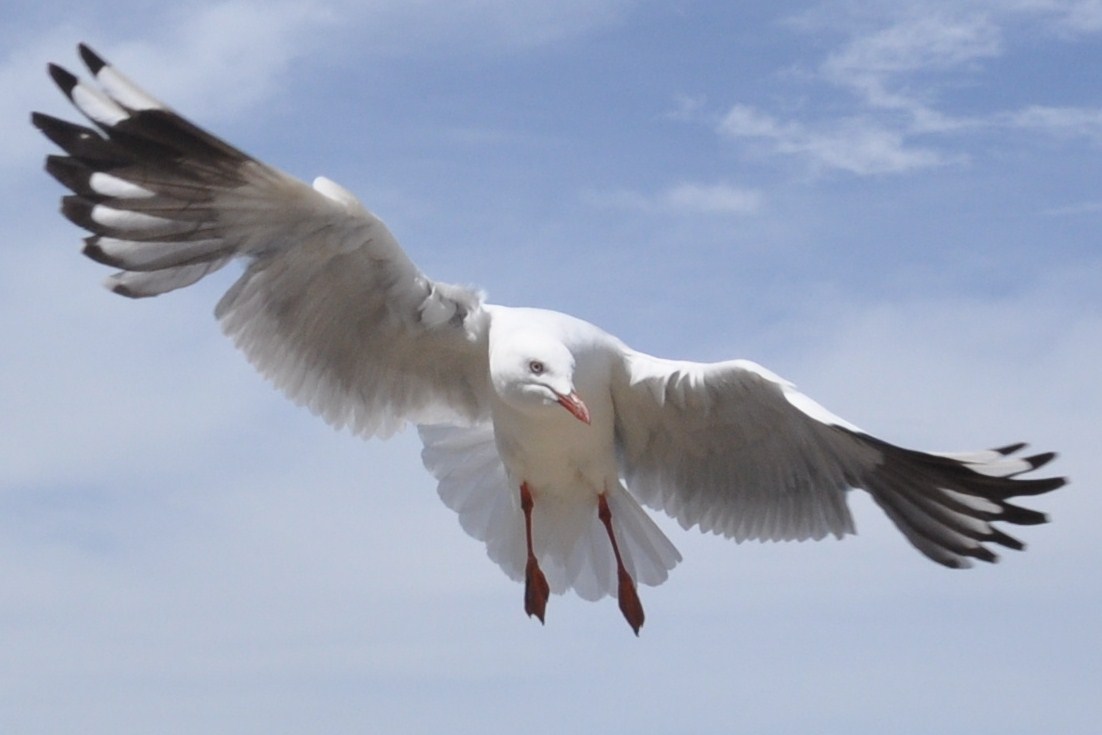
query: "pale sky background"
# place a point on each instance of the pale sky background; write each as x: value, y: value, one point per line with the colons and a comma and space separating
x: 897, y: 205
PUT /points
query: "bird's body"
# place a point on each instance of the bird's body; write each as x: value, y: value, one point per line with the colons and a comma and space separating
x: 546, y: 434
x: 540, y: 443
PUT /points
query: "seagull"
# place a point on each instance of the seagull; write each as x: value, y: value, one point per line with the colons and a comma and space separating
x: 546, y: 434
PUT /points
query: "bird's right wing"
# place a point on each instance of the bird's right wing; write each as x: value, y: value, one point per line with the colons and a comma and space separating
x: 329, y: 308
x: 734, y: 449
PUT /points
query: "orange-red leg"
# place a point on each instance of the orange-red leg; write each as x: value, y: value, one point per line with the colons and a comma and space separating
x: 630, y: 605
x: 536, y: 589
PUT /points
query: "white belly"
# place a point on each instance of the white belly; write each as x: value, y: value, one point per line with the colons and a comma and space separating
x: 555, y: 453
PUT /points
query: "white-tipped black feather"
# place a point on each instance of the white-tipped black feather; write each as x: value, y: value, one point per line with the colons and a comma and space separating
x: 91, y: 59
x: 149, y: 184
x: 946, y: 507
x: 735, y: 450
x: 168, y: 203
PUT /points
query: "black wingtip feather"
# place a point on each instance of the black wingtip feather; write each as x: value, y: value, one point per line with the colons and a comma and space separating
x: 42, y: 121
x: 942, y: 481
x: 70, y: 173
x: 91, y: 59
x: 1039, y: 486
x: 57, y: 130
x: 60, y: 132
x: 93, y: 250
x: 1004, y: 539
x: 1020, y: 516
x: 1040, y: 460
x: 82, y: 143
x: 78, y: 210
x: 149, y: 137
x: 63, y: 79
x: 983, y: 554
x: 122, y: 290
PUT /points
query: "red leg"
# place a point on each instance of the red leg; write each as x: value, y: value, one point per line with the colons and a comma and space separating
x: 625, y: 592
x: 536, y: 589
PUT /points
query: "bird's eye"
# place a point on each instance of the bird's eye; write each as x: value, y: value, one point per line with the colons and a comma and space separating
x: 536, y: 367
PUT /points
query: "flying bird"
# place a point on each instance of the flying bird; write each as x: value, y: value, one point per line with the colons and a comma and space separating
x: 546, y: 434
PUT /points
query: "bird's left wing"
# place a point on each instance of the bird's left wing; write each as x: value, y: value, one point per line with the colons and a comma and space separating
x: 735, y: 450
x: 329, y: 308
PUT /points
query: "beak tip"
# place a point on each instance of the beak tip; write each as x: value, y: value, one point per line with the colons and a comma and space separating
x: 576, y: 406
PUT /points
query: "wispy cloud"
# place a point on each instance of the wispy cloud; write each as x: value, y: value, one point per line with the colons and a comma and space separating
x: 416, y: 27
x: 1072, y: 17
x: 877, y: 66
x: 925, y: 42
x: 894, y: 64
x: 712, y: 199
x: 226, y: 57
x: 859, y: 145
x: 1075, y: 122
x: 684, y: 198
x: 1074, y: 209
x: 892, y: 116
x: 687, y: 108
x: 214, y: 62
x: 216, y: 59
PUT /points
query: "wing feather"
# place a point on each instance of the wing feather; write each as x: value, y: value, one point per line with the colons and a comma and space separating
x: 330, y: 307
x: 735, y: 450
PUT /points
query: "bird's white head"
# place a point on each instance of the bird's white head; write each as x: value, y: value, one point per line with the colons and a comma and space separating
x: 532, y: 371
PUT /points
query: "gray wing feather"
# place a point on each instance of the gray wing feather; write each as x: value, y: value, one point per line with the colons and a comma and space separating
x: 735, y: 450
x: 329, y: 307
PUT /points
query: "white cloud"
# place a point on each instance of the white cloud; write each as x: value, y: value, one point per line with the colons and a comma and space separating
x: 1076, y: 122
x: 879, y: 66
x: 227, y: 57
x: 712, y: 199
x: 687, y: 108
x: 859, y: 145
x: 26, y: 87
x: 1066, y: 17
x: 218, y: 59
x: 1063, y: 17
x: 683, y: 198
x: 417, y: 27
x: 920, y: 43
x: 1074, y: 209
x: 1081, y: 17
x: 895, y: 61
x: 214, y: 62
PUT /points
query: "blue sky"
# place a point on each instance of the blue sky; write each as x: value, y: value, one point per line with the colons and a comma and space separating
x: 894, y: 204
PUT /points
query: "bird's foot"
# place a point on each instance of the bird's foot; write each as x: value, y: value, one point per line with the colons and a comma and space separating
x: 536, y: 589
x: 628, y: 598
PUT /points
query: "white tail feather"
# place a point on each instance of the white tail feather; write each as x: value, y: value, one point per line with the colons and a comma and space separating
x: 570, y: 541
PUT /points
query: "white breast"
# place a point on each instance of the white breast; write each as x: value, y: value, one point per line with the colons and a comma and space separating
x: 555, y: 453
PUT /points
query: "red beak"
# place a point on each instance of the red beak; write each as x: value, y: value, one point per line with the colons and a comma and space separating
x: 575, y: 405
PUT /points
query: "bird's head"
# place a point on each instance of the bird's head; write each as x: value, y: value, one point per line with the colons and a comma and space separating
x: 532, y: 371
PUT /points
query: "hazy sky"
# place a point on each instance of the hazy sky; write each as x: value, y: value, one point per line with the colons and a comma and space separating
x: 897, y: 205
